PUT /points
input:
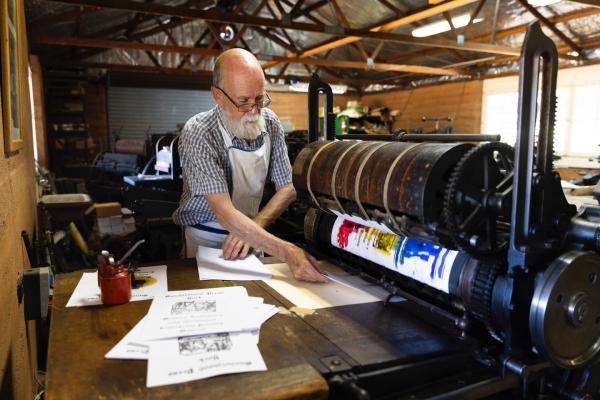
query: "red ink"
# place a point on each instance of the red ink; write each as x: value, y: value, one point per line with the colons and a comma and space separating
x: 344, y: 232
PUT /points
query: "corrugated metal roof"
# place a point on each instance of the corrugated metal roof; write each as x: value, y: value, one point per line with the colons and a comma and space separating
x: 359, y: 13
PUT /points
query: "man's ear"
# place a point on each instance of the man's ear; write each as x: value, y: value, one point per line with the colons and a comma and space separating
x: 217, y: 95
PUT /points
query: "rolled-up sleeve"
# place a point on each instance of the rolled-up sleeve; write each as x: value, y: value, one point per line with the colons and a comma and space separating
x: 280, y: 170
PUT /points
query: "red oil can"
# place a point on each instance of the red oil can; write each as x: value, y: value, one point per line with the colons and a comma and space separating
x: 115, y: 284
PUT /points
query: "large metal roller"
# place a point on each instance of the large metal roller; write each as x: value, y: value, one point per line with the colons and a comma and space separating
x: 397, y: 178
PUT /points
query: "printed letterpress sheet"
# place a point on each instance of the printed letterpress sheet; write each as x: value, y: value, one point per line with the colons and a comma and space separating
x: 131, y: 347
x: 197, y: 357
x: 199, y: 312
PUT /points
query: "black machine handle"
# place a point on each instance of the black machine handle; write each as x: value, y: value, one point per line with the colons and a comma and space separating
x: 533, y: 161
x: 315, y: 88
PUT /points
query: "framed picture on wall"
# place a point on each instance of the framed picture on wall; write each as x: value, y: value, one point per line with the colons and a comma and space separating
x: 13, y: 139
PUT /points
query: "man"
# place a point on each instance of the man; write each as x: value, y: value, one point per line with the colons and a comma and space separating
x: 228, y: 153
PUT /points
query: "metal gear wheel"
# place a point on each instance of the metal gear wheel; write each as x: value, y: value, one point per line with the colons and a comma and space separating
x: 478, y: 200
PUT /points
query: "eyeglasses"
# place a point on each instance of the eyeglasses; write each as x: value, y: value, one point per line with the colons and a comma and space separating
x: 245, y: 107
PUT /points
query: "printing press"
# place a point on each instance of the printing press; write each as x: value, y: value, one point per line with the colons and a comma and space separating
x: 480, y: 241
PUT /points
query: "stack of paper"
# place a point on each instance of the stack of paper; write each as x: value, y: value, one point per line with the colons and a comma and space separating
x: 212, y: 265
x: 195, y: 334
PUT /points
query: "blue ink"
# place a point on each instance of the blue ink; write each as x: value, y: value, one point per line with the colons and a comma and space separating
x: 441, y: 268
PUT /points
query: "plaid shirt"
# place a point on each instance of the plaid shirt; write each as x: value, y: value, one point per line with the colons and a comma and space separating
x: 205, y: 163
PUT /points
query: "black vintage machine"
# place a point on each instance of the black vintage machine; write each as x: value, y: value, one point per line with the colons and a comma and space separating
x: 479, y: 237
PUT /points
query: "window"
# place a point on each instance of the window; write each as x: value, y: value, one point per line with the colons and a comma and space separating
x: 577, y: 114
x: 500, y: 116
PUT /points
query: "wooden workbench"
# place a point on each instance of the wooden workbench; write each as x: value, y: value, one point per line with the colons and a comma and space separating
x: 296, y: 349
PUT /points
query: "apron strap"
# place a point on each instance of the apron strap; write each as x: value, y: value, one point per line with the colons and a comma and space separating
x: 210, y: 229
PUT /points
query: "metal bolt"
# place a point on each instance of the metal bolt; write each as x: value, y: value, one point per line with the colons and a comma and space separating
x: 533, y: 230
x: 336, y: 363
x: 556, y: 176
x: 578, y: 308
x: 538, y: 181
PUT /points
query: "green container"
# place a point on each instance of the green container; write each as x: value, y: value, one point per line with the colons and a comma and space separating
x: 342, y: 124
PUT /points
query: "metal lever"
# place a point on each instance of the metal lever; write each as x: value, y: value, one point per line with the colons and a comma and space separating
x: 532, y: 162
x: 315, y: 87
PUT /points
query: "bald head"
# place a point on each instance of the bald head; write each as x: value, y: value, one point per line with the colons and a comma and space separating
x: 236, y: 62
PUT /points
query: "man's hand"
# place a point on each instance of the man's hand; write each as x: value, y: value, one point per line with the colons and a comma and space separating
x: 234, y: 248
x: 304, y: 266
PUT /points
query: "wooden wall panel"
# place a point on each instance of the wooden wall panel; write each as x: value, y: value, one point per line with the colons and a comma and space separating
x: 294, y: 106
x: 17, y: 213
x: 461, y: 101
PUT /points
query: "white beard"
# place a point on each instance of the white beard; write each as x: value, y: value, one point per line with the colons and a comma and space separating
x: 248, y: 127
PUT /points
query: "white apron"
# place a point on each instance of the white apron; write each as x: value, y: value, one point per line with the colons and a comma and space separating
x: 249, y: 169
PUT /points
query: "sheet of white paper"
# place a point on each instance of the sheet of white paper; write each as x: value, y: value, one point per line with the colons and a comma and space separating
x: 255, y: 301
x: 262, y: 312
x: 339, y: 291
x: 212, y: 265
x: 198, y: 312
x: 196, y: 357
x: 344, y: 277
x: 131, y: 347
x: 153, y: 281
x: 568, y: 185
x: 267, y: 312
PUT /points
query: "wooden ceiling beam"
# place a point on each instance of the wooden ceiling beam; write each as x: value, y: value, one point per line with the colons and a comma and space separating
x: 550, y: 25
x: 585, y: 45
x: 346, y: 24
x: 313, y: 7
x: 244, y: 28
x: 593, y: 3
x: 586, y: 12
x: 160, y: 70
x: 175, y: 22
x: 271, y: 36
x: 364, y: 66
x: 135, y: 22
x: 281, y: 10
x: 375, y: 52
x: 282, y: 71
x: 216, y: 34
x: 515, y: 30
x: 121, y: 44
x: 325, y: 56
x: 351, y: 35
x: 196, y: 44
x: 476, y: 12
x: 67, y: 16
x: 395, y: 23
x: 392, y: 7
x: 295, y: 9
x: 111, y: 30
